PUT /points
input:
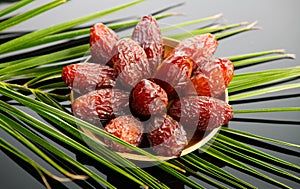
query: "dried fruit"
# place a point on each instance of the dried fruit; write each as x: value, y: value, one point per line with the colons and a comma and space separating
x: 200, y: 112
x: 102, y: 41
x: 86, y: 77
x: 200, y: 49
x: 199, y: 85
x: 130, y: 63
x: 128, y: 129
x: 212, y: 78
x: 173, y: 74
x: 148, y: 98
x: 101, y: 105
x: 227, y: 69
x: 163, y: 91
x: 147, y: 34
x: 167, y: 136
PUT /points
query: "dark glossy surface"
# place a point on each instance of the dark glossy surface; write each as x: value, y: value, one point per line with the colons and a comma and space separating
x: 280, y: 29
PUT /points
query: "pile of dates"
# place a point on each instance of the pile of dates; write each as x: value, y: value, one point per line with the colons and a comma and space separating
x: 148, y: 97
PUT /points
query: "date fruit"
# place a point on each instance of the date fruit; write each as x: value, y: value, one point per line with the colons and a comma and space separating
x: 200, y: 113
x: 130, y: 63
x: 151, y: 95
x: 200, y: 49
x: 102, y: 41
x: 167, y: 136
x: 147, y: 34
x: 86, y: 77
x: 147, y: 98
x: 100, y: 106
x: 212, y: 78
x: 128, y: 129
x: 173, y: 74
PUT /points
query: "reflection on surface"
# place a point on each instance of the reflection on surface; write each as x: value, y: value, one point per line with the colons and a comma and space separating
x: 30, y: 170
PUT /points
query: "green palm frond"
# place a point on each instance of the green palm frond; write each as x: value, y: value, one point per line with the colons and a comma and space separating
x: 14, y: 7
x: 33, y: 81
x: 18, y: 42
x: 25, y: 16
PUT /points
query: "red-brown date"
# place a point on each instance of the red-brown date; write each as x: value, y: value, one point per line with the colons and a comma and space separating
x: 200, y: 49
x: 173, y: 74
x: 147, y: 34
x: 148, y: 98
x: 86, y: 77
x: 102, y: 42
x: 130, y: 63
x: 128, y: 129
x: 200, y: 112
x: 101, y: 105
x: 212, y: 78
x: 167, y: 136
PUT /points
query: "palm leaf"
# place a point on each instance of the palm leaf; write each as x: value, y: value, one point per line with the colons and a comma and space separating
x: 18, y: 42
x: 215, y: 171
x: 14, y: 7
x: 41, y: 170
x: 16, y: 130
x: 192, y: 22
x: 245, y: 81
x: 264, y: 91
x: 83, y: 32
x: 34, y: 82
x: 230, y: 142
x: 247, y: 62
x: 25, y: 16
x: 253, y: 136
x: 241, y: 166
x: 41, y: 126
x: 255, y: 161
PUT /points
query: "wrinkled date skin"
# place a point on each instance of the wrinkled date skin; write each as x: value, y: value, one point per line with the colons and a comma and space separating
x: 199, y: 85
x: 200, y: 49
x: 130, y: 63
x: 128, y: 129
x: 173, y: 74
x: 101, y: 105
x: 147, y: 34
x: 212, y: 78
x: 148, y: 98
x: 227, y: 69
x: 200, y: 112
x: 167, y: 136
x: 86, y: 77
x: 102, y: 41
